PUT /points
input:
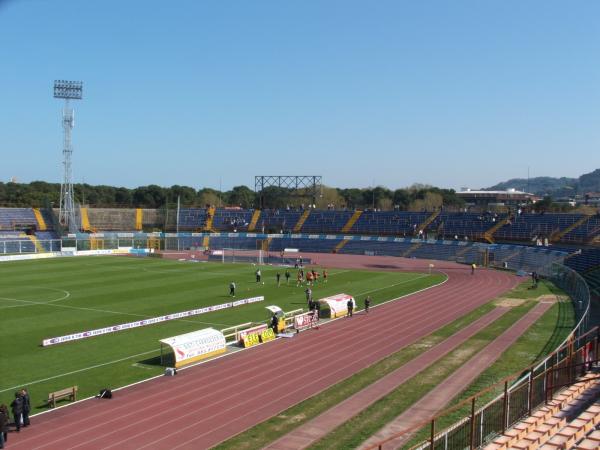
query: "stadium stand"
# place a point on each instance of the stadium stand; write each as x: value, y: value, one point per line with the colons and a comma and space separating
x: 301, y: 220
x: 16, y: 242
x: 276, y: 221
x: 570, y: 420
x: 570, y: 229
x: 254, y: 220
x: 138, y: 219
x: 398, y: 223
x: 17, y: 218
x: 326, y: 221
x: 584, y: 260
x: 474, y: 226
x: 110, y: 219
x: 41, y: 223
x: 192, y: 219
x: 232, y: 220
x: 584, y: 232
x: 351, y: 221
x: 592, y: 277
x: 525, y: 227
x: 210, y: 217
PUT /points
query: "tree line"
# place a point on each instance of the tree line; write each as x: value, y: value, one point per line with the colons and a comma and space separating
x: 417, y: 197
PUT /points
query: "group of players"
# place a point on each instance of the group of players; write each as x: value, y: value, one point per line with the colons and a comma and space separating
x: 312, y: 276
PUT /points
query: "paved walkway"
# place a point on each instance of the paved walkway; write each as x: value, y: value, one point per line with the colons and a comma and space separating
x: 439, y: 397
x: 315, y: 429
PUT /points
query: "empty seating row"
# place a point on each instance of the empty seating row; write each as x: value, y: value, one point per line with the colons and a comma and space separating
x: 584, y: 231
x: 326, y: 221
x: 584, y: 260
x: 192, y: 218
x: 528, y: 226
x: 570, y: 417
x: 278, y: 221
x: 472, y: 225
x: 16, y: 218
x: 399, y: 223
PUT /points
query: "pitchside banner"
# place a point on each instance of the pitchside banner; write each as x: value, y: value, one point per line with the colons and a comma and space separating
x: 145, y: 322
x: 306, y: 320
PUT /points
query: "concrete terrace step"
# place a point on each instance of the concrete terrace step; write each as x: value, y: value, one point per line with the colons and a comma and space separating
x: 555, y: 432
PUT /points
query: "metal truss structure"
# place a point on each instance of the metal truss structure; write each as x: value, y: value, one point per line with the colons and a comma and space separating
x: 298, y: 185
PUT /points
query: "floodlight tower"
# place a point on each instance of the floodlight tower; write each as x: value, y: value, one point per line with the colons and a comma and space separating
x: 67, y: 90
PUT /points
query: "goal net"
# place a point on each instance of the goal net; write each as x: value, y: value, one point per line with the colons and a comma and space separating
x: 234, y: 255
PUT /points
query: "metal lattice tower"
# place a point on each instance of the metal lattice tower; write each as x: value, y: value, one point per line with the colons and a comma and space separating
x: 298, y: 185
x: 67, y: 90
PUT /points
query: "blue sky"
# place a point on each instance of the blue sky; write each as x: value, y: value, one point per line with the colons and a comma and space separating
x: 450, y: 93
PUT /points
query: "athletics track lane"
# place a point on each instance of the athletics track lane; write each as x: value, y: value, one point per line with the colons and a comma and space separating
x: 214, y: 401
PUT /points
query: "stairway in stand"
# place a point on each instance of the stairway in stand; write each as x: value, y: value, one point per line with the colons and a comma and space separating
x: 254, y: 220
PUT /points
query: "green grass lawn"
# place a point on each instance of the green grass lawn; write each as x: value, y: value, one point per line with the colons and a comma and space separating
x: 46, y: 298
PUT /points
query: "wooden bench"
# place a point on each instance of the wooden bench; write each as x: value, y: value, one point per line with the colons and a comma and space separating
x: 70, y: 393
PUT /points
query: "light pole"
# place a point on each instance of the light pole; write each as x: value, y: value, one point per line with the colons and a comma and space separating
x: 67, y: 90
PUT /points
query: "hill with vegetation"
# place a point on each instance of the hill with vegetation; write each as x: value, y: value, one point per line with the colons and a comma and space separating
x: 554, y: 187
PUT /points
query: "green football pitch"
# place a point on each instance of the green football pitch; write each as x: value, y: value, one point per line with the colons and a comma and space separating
x: 47, y: 298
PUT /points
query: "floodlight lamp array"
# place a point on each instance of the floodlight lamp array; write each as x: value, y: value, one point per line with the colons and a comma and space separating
x: 71, y: 90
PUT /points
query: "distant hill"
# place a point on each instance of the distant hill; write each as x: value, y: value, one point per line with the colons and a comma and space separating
x: 554, y: 187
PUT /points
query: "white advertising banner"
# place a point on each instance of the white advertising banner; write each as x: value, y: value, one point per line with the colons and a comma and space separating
x: 306, y: 320
x: 145, y: 322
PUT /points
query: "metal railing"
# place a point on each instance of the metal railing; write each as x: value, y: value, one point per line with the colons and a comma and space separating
x: 483, y: 424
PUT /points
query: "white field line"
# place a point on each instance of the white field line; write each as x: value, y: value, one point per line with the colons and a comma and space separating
x: 393, y: 285
x: 66, y: 295
x: 78, y: 370
x: 225, y: 354
x: 195, y: 364
x: 107, y: 311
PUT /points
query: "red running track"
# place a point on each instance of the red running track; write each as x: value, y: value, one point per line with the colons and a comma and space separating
x: 212, y: 402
